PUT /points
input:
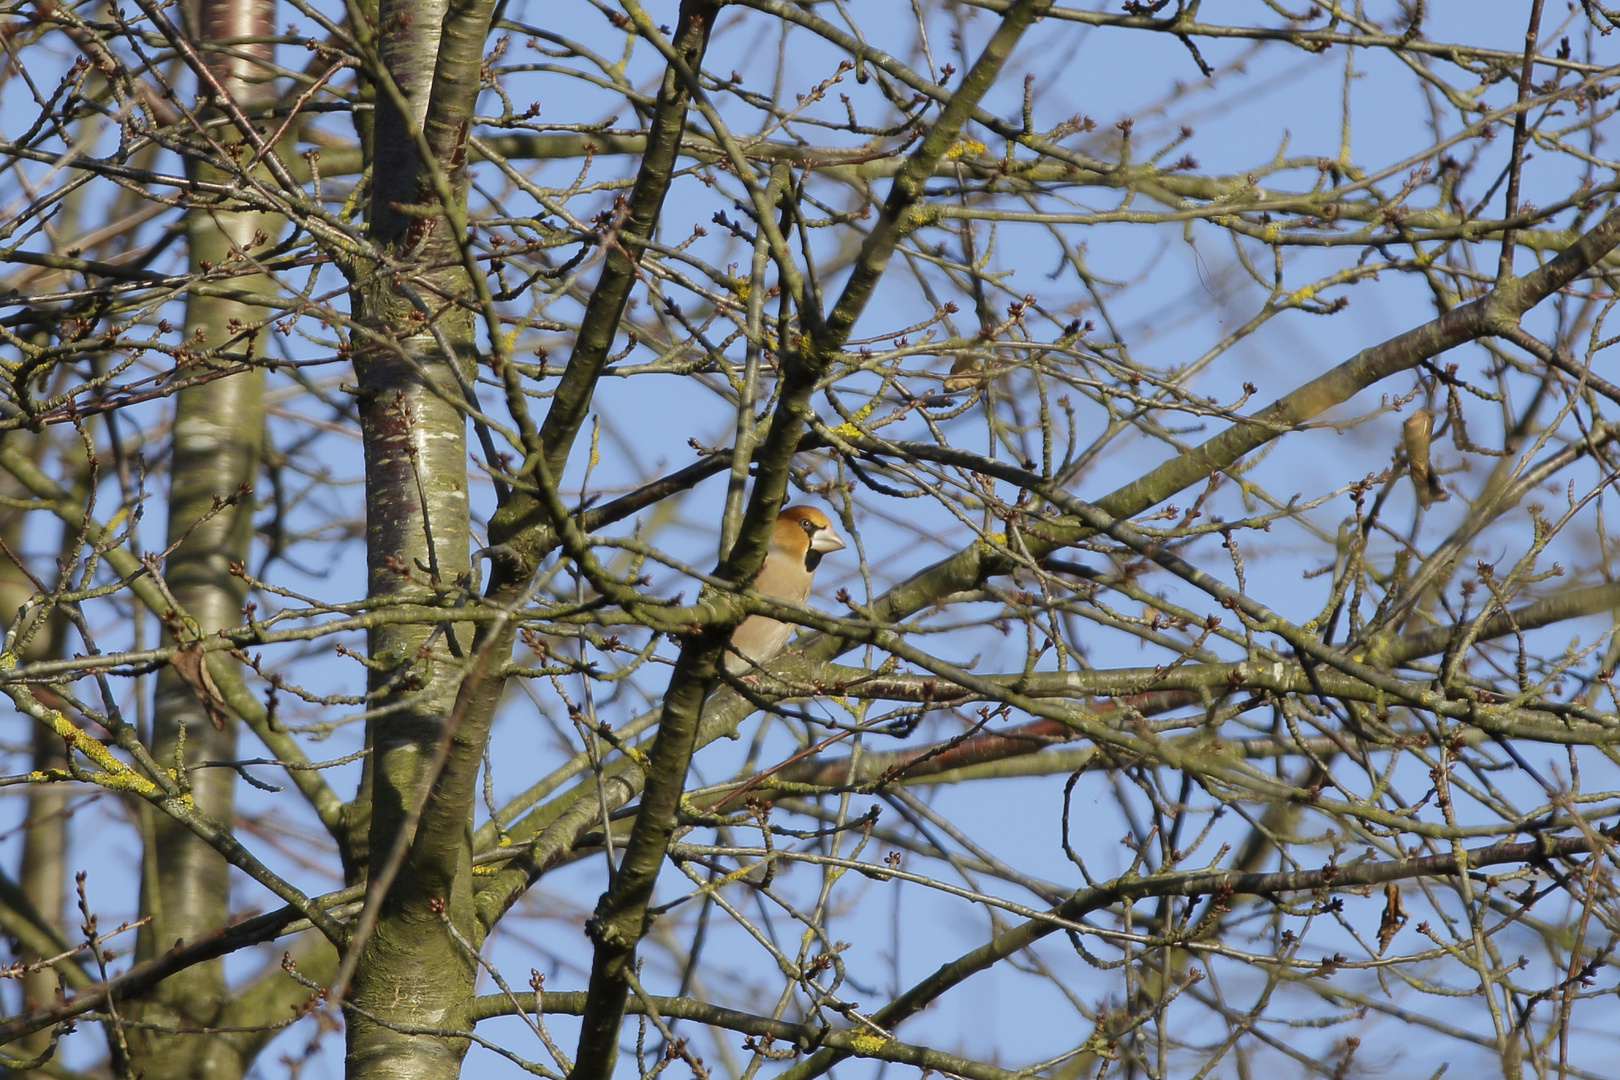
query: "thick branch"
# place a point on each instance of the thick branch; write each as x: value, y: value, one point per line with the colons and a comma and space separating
x: 859, y: 1042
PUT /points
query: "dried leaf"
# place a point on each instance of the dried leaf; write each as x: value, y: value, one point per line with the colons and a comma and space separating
x: 1394, y: 916
x: 1417, y: 433
x: 191, y: 664
x: 966, y: 373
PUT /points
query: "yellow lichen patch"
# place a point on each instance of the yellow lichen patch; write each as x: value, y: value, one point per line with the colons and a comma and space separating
x: 126, y: 780
x: 509, y: 340
x: 115, y: 774
x: 736, y: 875
x: 851, y: 427
x: 866, y: 1042
x: 966, y: 148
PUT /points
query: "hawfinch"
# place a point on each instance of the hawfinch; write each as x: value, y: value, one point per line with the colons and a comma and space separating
x: 801, y: 537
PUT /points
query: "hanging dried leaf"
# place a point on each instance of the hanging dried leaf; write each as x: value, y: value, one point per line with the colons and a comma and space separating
x: 1394, y: 916
x: 966, y: 373
x: 191, y: 664
x: 1417, y: 433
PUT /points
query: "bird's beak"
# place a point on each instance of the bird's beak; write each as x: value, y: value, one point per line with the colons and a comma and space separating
x: 826, y: 540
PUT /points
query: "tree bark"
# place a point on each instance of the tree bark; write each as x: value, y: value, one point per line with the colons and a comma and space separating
x: 42, y: 871
x: 218, y: 427
x: 415, y: 360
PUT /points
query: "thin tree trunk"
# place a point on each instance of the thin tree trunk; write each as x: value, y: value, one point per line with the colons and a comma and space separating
x: 218, y: 427
x: 42, y: 871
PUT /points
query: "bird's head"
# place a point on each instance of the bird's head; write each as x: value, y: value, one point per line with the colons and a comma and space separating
x: 804, y: 533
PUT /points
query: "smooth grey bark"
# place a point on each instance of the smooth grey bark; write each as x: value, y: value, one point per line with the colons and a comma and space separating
x: 415, y: 356
x: 218, y: 428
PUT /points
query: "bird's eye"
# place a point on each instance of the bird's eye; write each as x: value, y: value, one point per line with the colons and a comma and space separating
x: 807, y: 525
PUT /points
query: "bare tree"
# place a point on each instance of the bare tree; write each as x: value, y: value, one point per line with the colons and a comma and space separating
x: 1220, y: 663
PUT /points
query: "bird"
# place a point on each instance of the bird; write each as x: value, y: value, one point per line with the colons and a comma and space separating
x: 1416, y: 434
x: 802, y: 535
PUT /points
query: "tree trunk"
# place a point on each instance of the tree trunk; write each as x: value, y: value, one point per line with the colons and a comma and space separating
x: 42, y: 871
x: 415, y: 356
x: 218, y: 427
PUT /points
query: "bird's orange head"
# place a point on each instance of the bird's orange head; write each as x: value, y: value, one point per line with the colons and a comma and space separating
x: 804, y: 532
